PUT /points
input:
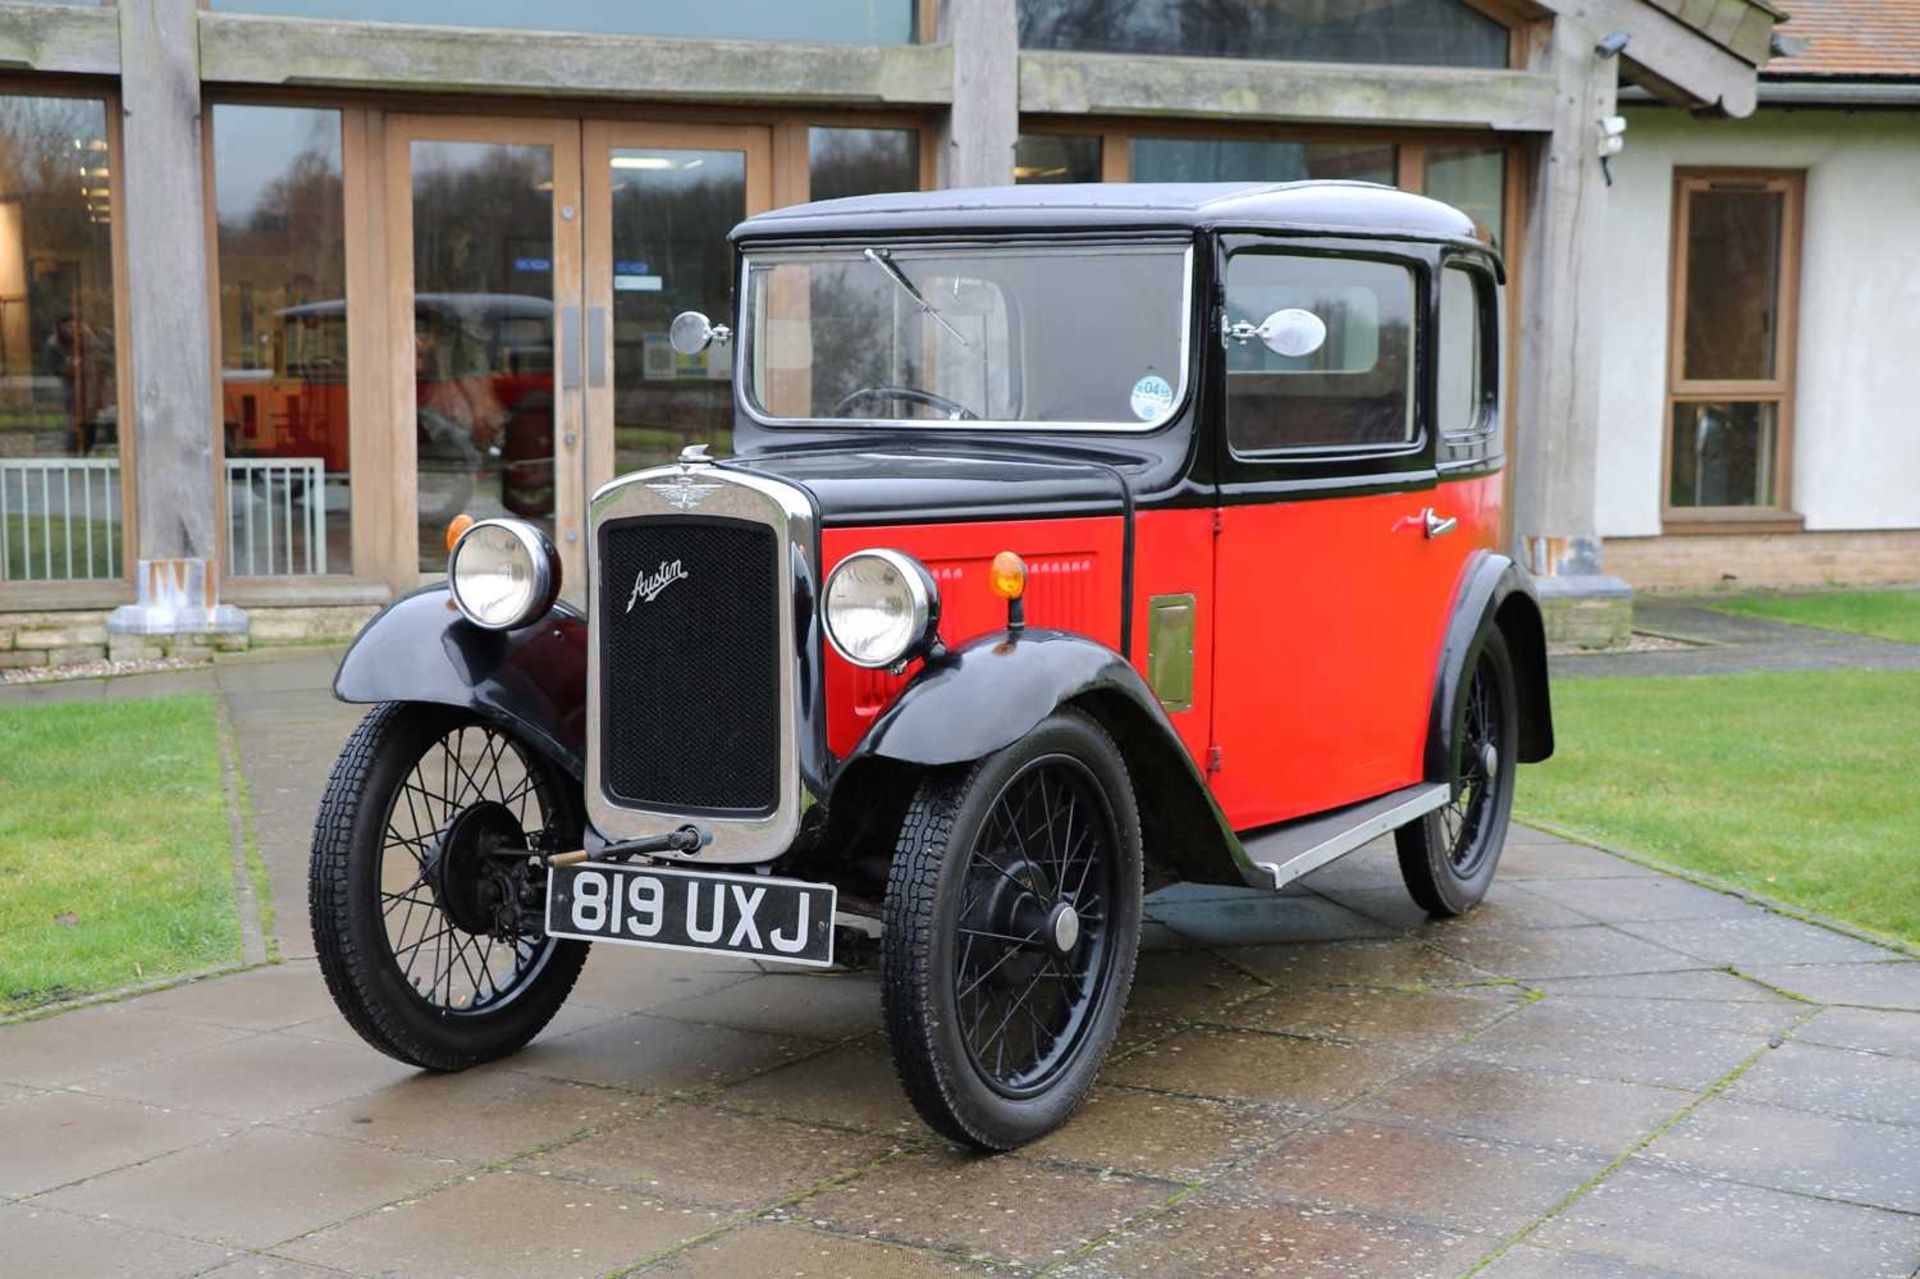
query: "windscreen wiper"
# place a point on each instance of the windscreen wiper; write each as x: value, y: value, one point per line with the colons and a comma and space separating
x: 884, y: 260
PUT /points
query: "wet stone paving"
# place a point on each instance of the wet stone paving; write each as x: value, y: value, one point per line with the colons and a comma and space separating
x: 1603, y: 1071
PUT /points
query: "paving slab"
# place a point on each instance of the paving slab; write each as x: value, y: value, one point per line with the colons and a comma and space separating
x: 1525, y: 1262
x: 1644, y: 899
x: 1276, y: 1070
x: 1821, y: 1155
x: 865, y: 1091
x: 787, y: 1250
x: 1867, y: 1029
x: 73, y: 1047
x: 1754, y: 939
x: 1458, y: 1183
x: 1272, y: 918
x: 1884, y: 984
x: 41, y: 1241
x: 1408, y: 1021
x: 1596, y: 1043
x: 1508, y: 907
x: 1482, y: 1099
x: 1591, y: 951
x: 259, y: 1077
x: 507, y: 1225
x: 1009, y: 1209
x: 1188, y: 984
x: 255, y: 1189
x: 1179, y: 1139
x: 819, y: 1006
x: 1657, y: 1217
x: 655, y: 1054
x: 713, y: 1158
x: 1216, y: 1236
x: 479, y: 1116
x: 1398, y: 963
x: 1840, y: 1081
x: 68, y: 1136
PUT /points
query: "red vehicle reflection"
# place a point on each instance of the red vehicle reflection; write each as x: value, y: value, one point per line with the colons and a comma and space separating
x: 484, y: 397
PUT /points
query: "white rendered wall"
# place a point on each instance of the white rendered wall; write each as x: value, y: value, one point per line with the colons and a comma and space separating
x: 1856, y: 461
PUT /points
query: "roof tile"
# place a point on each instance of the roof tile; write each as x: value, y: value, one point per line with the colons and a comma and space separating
x: 1853, y: 38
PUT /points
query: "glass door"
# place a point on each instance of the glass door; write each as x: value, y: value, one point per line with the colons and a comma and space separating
x: 660, y: 200
x: 485, y: 326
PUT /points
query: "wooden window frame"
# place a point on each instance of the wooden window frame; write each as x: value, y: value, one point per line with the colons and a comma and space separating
x: 42, y: 594
x: 1779, y: 516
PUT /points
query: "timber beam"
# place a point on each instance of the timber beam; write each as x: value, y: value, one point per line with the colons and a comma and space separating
x: 250, y: 49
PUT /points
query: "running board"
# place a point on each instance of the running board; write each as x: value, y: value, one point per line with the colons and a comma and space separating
x: 1277, y: 857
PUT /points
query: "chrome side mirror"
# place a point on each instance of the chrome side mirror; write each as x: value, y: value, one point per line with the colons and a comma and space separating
x: 692, y: 333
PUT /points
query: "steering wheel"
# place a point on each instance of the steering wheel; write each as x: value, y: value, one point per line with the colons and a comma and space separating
x: 954, y: 409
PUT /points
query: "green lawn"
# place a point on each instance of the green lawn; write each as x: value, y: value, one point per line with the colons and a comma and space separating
x: 1893, y: 615
x: 1801, y: 786
x: 116, y: 862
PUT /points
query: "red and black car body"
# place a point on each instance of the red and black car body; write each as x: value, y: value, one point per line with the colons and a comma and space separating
x: 1277, y: 589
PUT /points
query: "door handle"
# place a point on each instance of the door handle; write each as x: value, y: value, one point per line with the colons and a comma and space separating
x: 1438, y: 525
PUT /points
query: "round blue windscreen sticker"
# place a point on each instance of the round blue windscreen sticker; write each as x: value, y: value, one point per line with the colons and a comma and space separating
x: 1152, y: 397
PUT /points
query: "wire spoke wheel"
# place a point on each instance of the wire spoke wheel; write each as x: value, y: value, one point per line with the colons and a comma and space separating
x: 1449, y: 856
x: 425, y: 892
x: 1012, y: 922
x: 450, y: 889
x: 1032, y: 933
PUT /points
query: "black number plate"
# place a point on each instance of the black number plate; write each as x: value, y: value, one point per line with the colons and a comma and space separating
x: 787, y: 921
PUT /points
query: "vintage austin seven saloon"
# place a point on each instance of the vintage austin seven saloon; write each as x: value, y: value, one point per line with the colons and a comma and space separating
x: 1077, y: 539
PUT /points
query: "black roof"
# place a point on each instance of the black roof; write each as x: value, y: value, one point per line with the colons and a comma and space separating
x: 1341, y: 208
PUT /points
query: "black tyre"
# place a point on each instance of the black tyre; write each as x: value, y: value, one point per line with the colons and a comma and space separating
x: 425, y: 919
x: 1448, y: 857
x: 1012, y: 925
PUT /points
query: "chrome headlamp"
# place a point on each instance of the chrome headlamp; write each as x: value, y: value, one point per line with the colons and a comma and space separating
x: 882, y: 608
x: 504, y: 574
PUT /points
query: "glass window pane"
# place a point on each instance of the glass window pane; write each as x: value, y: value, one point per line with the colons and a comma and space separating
x: 1462, y: 395
x: 818, y: 21
x: 283, y: 339
x: 671, y: 210
x: 1474, y: 181
x: 1349, y: 380
x: 1237, y: 160
x: 60, y: 513
x: 862, y: 161
x: 1723, y: 454
x: 1004, y: 335
x: 483, y: 335
x: 1432, y: 32
x: 1056, y: 157
x: 1733, y: 283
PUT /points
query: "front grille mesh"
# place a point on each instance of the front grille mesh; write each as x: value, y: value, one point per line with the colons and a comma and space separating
x: 689, y: 673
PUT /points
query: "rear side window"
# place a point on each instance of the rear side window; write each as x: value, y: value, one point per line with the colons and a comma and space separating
x: 1320, y: 353
x: 1464, y: 399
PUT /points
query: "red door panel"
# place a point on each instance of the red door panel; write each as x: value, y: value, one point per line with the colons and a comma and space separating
x: 1073, y: 584
x: 1329, y: 617
x: 1173, y: 555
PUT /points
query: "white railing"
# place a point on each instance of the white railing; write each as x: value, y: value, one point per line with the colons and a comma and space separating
x: 276, y: 514
x: 59, y: 518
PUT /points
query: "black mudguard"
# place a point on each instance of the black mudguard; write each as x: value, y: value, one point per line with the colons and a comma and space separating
x: 991, y: 692
x: 1494, y: 591
x: 532, y: 680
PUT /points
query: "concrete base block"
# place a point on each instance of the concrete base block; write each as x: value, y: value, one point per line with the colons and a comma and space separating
x: 177, y: 597
x: 1588, y: 610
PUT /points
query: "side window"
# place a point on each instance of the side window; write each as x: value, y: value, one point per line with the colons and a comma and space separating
x: 1320, y: 353
x: 1464, y: 403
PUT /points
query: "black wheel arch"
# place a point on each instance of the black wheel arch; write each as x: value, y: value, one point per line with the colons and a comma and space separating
x: 532, y: 680
x: 993, y: 691
x: 1494, y: 592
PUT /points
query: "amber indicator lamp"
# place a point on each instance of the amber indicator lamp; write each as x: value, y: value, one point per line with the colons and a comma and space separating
x: 1008, y: 578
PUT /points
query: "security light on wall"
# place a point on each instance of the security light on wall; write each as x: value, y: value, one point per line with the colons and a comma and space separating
x: 1612, y: 46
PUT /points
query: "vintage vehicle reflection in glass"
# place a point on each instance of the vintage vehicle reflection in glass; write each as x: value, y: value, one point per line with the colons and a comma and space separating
x: 1079, y: 539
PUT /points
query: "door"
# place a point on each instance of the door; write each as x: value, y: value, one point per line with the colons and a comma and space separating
x: 484, y: 326
x: 660, y: 200
x: 1330, y: 593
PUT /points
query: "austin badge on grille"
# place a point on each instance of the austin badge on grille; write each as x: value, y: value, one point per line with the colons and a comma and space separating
x: 681, y: 493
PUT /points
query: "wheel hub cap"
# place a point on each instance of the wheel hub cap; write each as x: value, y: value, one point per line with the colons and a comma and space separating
x: 1063, y: 929
x: 1490, y: 759
x: 464, y: 877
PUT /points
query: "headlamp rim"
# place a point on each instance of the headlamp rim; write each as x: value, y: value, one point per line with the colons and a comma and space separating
x: 922, y: 590
x: 541, y: 553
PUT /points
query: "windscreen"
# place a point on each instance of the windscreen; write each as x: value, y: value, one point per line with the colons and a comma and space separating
x: 1045, y: 334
